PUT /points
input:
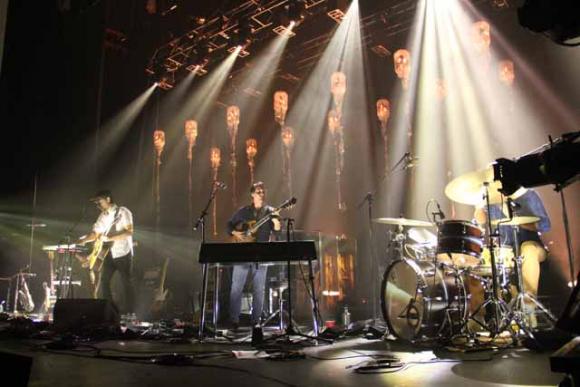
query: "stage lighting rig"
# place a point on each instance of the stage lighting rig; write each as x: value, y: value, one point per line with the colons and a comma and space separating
x: 336, y: 9
x: 558, y: 20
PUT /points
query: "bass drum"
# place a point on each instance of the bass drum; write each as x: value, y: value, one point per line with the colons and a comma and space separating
x: 421, y: 301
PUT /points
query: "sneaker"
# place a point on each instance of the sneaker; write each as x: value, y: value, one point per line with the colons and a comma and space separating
x: 233, y: 325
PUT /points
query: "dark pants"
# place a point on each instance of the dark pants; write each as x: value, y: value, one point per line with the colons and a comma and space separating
x: 239, y: 276
x: 124, y: 266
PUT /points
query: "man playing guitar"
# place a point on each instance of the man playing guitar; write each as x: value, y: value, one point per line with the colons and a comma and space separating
x: 242, y: 220
x: 114, y: 227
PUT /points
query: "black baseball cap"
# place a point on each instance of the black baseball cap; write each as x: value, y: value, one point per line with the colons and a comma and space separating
x: 102, y: 194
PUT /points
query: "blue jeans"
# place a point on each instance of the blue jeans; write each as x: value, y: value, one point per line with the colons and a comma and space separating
x: 239, y: 276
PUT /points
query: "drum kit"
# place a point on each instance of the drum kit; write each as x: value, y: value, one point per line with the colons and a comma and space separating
x: 456, y: 282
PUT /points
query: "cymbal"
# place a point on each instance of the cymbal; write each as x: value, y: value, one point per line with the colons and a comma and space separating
x: 469, y: 188
x: 403, y: 222
x: 516, y: 221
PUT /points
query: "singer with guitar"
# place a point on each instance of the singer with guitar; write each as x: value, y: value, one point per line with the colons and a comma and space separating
x: 112, y: 235
x: 243, y: 220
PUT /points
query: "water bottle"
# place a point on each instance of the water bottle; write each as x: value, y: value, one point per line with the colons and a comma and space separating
x: 346, y: 317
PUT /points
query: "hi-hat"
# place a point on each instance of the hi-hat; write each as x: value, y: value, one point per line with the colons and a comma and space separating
x: 403, y: 222
x: 516, y: 221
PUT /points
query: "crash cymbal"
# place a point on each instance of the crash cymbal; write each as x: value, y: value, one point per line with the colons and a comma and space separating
x: 469, y: 188
x: 516, y: 221
x: 403, y: 222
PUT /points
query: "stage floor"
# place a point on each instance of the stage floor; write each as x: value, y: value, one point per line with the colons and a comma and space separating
x: 323, y: 365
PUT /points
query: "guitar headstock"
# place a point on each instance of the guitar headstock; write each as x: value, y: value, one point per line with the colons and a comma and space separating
x: 288, y: 204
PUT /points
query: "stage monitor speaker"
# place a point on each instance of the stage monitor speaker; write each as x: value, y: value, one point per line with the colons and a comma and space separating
x: 82, y: 314
x: 17, y: 368
x: 570, y: 319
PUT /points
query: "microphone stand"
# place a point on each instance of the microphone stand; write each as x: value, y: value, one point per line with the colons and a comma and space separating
x: 66, y: 262
x: 369, y: 198
x: 559, y: 187
x: 290, y: 328
x: 200, y: 223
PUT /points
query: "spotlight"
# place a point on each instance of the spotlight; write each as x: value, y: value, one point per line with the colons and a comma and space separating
x: 198, y: 55
x: 244, y: 33
x: 295, y: 10
x: 166, y: 81
x: 239, y: 50
x: 556, y: 19
x: 556, y: 164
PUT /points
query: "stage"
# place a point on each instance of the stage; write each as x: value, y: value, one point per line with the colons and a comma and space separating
x: 322, y: 164
x: 212, y: 363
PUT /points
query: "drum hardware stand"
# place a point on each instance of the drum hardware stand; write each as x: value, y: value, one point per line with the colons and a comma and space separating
x: 200, y: 223
x: 517, y: 306
x: 499, y: 307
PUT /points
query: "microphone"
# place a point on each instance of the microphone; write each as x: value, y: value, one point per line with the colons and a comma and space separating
x: 220, y: 185
x: 510, y: 207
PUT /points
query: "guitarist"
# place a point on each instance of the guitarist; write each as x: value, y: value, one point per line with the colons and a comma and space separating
x: 245, y: 217
x: 114, y: 227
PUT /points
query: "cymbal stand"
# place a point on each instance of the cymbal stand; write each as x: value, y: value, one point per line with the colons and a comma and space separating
x: 517, y: 306
x: 499, y: 308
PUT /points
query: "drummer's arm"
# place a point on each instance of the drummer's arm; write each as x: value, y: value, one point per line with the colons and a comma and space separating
x: 480, y: 215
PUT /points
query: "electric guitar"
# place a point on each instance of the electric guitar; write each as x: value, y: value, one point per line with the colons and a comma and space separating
x: 250, y: 228
x: 49, y: 293
x: 160, y: 295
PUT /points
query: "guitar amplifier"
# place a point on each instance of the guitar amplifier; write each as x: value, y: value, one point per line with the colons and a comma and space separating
x: 72, y: 315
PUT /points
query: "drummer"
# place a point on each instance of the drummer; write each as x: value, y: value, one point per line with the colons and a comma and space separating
x: 527, y: 202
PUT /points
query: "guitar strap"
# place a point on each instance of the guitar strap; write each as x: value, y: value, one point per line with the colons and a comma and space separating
x: 115, y: 220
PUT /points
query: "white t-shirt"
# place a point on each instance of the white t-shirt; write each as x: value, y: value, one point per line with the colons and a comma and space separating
x: 104, y: 223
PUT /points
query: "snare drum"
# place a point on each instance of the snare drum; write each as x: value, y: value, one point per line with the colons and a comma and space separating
x: 459, y: 243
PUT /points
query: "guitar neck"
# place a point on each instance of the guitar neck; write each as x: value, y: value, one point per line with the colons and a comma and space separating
x: 163, y: 274
x: 258, y: 224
